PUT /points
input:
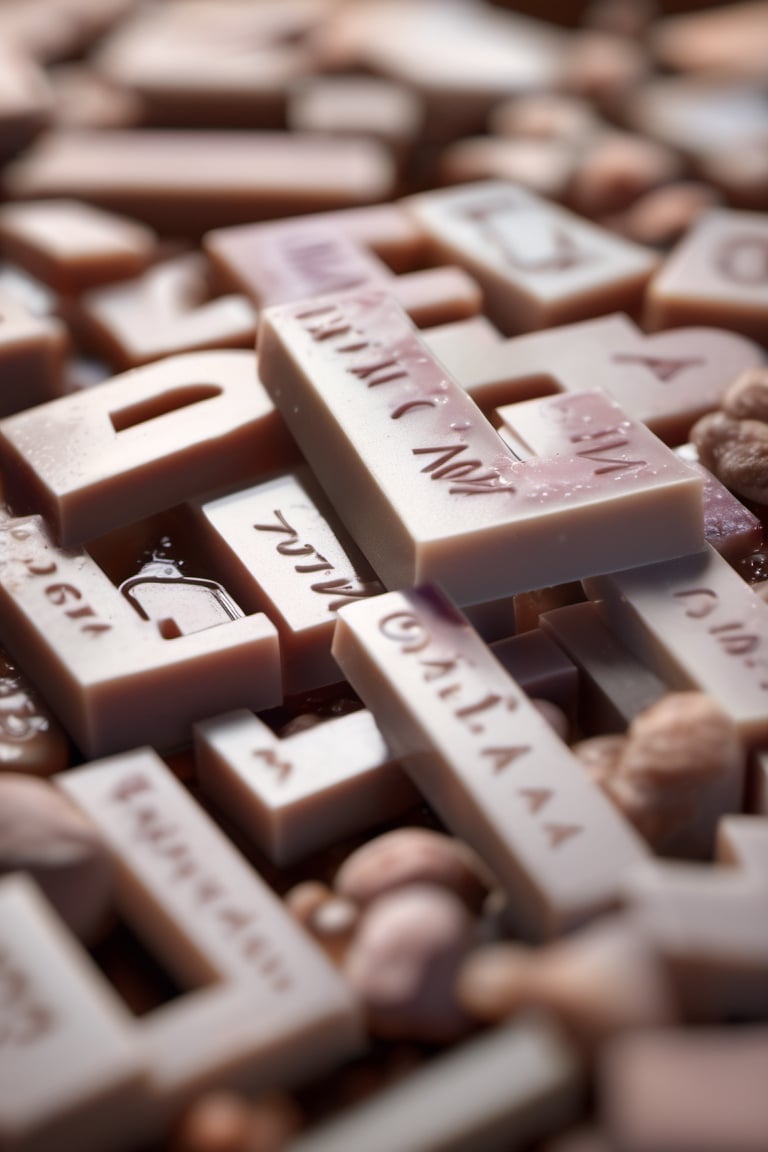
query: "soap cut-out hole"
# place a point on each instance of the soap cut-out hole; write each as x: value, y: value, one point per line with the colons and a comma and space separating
x: 141, y: 980
x: 172, y: 400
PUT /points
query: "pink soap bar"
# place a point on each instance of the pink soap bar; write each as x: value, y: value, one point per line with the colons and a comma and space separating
x: 33, y: 349
x: 293, y: 259
x: 424, y: 483
x: 141, y: 442
x: 485, y: 759
x: 72, y: 246
x: 166, y: 311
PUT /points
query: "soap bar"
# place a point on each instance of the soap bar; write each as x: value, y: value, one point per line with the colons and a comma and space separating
x: 303, y: 792
x: 72, y: 246
x: 538, y: 264
x: 485, y: 759
x: 166, y: 311
x: 698, y: 625
x: 112, y: 678
x: 292, y: 259
x: 32, y: 353
x: 710, y: 925
x: 666, y: 380
x: 157, y: 176
x: 71, y: 1071
x: 267, y: 1006
x: 501, y: 1090
x: 718, y: 1099
x: 613, y: 685
x: 280, y: 554
x: 141, y: 442
x: 425, y: 485
x: 717, y: 274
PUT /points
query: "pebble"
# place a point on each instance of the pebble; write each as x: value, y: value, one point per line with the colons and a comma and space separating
x: 403, y: 962
x: 45, y: 834
x: 412, y: 856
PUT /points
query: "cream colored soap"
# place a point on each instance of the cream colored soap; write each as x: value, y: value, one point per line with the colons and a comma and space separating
x: 426, y: 486
x: 72, y: 1072
x: 293, y: 259
x: 485, y: 759
x: 265, y: 1008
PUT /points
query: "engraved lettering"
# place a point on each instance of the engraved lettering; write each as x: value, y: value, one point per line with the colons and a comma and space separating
x: 664, y: 369
x: 350, y: 587
x: 59, y: 594
x: 24, y: 1018
x: 536, y: 797
x: 402, y: 409
x: 444, y: 468
x: 705, y: 604
x: 166, y: 840
x: 503, y: 757
x: 271, y: 759
x: 405, y: 629
x: 559, y: 833
x: 611, y: 463
x: 744, y: 259
x: 373, y: 371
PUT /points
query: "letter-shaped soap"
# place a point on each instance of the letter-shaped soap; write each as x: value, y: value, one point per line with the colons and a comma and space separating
x: 141, y: 442
x: 426, y: 486
x: 485, y: 759
x: 268, y: 1008
x: 71, y: 1068
x: 538, y: 264
x: 111, y: 677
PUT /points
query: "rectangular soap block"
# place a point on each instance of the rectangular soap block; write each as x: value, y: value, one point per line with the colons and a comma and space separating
x: 614, y: 686
x: 280, y: 553
x: 426, y: 486
x: 295, y: 795
x: 157, y: 175
x: 699, y: 626
x: 141, y: 442
x: 488, y: 763
x: 538, y: 264
x: 267, y: 1005
x: 502, y: 1089
x: 72, y: 1074
x: 717, y: 274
